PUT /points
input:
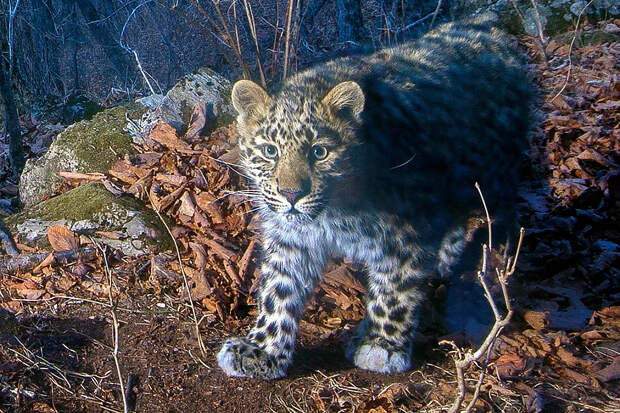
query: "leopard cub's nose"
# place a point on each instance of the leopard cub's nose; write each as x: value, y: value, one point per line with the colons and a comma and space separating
x: 292, y: 195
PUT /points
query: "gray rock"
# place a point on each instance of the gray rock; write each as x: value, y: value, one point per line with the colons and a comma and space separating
x: 90, y: 208
x: 176, y: 106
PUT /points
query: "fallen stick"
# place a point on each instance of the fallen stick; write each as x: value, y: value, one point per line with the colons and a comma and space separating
x: 28, y: 262
x: 76, y: 176
x: 115, y: 325
x: 219, y: 249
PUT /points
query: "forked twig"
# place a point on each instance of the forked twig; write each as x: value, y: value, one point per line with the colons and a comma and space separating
x: 463, y: 359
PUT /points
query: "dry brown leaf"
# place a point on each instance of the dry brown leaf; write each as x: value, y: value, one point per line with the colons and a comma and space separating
x: 175, y: 180
x: 12, y: 306
x: 200, y: 255
x: 166, y: 135
x: 80, y: 269
x: 201, y: 286
x: 187, y: 207
x: 568, y: 357
x: 510, y: 364
x: 578, y: 377
x: 62, y: 238
x: 611, y: 372
x: 197, y: 122
x: 31, y: 294
x: 49, y: 260
x: 209, y: 304
x: 169, y: 199
x: 244, y: 262
x: 607, y: 316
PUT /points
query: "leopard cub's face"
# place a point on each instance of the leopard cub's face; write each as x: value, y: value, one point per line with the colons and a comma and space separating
x: 295, y: 146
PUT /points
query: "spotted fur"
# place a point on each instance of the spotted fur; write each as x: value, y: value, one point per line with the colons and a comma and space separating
x: 374, y: 158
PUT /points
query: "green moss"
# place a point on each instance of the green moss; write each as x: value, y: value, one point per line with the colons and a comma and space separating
x: 80, y: 108
x: 77, y: 204
x: 511, y: 23
x: 91, y: 140
x: 92, y: 202
x: 586, y: 39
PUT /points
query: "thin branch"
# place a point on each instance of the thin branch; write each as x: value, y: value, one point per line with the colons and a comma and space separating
x: 435, y: 13
x: 12, y: 12
x: 252, y: 25
x: 287, y: 41
x: 539, y: 28
x: 462, y: 360
x: 413, y: 24
x: 486, y: 212
x: 201, y: 345
x: 132, y: 51
x: 223, y: 30
x: 570, y: 51
x: 114, y: 328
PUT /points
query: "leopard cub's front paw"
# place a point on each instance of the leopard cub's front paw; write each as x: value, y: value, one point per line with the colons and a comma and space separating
x: 378, y: 355
x: 240, y: 357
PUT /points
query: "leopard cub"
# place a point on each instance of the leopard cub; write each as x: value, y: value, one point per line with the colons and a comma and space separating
x: 374, y: 157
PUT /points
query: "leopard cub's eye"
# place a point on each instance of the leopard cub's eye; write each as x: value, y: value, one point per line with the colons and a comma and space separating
x: 319, y: 152
x: 270, y: 151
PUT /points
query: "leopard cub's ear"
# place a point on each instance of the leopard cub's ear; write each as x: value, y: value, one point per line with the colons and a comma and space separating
x: 346, y: 99
x: 249, y: 100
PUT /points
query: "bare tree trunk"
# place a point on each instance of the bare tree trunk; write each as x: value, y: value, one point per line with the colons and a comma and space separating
x: 16, y: 148
x: 350, y: 23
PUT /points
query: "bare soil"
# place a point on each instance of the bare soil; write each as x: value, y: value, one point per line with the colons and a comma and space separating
x: 561, y: 353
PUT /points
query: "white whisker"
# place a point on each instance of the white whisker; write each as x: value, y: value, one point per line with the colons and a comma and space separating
x: 256, y: 209
x: 403, y: 164
x: 231, y: 166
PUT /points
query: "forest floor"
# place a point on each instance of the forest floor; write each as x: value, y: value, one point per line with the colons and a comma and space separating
x: 560, y: 353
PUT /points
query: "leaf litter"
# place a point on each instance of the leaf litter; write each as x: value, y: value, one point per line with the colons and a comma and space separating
x: 560, y: 354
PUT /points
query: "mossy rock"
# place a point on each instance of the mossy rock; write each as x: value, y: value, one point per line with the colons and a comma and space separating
x: 556, y: 16
x: 87, y: 146
x: 594, y: 37
x: 89, y: 208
